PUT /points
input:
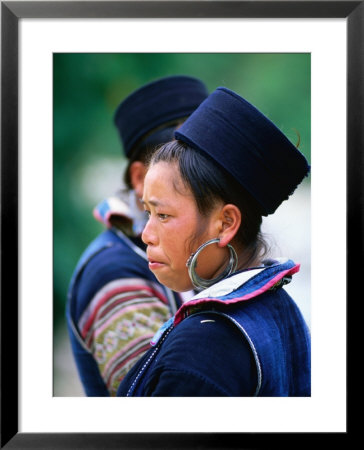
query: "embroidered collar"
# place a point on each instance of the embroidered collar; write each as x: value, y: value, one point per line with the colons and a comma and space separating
x: 242, y: 286
x: 239, y: 287
x: 122, y: 205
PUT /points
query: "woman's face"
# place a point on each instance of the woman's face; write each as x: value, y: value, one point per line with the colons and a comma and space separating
x: 174, y: 226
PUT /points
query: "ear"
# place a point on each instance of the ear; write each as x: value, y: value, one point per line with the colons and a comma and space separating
x: 137, y: 172
x: 230, y: 223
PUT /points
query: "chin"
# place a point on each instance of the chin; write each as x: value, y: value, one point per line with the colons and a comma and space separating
x: 175, y: 285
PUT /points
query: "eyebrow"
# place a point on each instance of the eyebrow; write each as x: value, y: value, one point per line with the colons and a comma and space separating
x: 153, y: 202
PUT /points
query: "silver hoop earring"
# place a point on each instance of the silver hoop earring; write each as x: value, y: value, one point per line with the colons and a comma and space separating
x: 202, y: 283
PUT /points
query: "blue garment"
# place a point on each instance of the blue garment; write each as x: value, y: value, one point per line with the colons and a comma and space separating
x: 111, y: 256
x: 244, y: 336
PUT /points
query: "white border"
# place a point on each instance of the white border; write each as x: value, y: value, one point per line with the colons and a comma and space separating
x: 325, y: 411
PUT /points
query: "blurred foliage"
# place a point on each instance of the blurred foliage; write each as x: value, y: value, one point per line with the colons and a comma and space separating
x: 88, y: 157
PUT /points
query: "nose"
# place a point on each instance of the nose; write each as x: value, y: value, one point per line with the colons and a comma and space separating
x: 149, y: 236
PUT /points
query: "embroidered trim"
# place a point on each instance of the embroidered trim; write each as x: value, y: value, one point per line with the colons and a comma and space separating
x: 255, y: 353
x: 135, y: 288
x: 268, y: 283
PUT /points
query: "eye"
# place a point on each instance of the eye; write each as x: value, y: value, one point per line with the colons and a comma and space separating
x: 163, y: 216
x: 147, y: 213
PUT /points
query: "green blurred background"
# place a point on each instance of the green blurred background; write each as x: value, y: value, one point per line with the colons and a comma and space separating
x: 87, y: 154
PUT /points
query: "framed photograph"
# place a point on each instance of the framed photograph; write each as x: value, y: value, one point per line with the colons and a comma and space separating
x: 45, y: 45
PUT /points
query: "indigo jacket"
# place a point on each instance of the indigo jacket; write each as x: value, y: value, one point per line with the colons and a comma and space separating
x: 244, y: 336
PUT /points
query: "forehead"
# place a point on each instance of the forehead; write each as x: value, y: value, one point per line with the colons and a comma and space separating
x: 164, y: 180
x: 162, y: 168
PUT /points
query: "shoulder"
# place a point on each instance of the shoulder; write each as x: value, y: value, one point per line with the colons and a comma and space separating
x: 114, y: 261
x: 210, y: 335
x: 112, y: 270
x: 122, y: 252
x: 208, y: 348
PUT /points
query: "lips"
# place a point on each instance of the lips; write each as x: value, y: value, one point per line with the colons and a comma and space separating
x: 154, y: 264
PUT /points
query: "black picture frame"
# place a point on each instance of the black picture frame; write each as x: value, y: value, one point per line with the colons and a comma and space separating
x: 11, y: 13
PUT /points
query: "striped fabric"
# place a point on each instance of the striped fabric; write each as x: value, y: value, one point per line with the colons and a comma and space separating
x: 119, y: 323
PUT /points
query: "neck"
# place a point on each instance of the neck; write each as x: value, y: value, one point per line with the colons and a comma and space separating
x: 250, y: 257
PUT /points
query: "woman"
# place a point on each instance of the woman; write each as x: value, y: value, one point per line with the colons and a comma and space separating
x: 205, y: 194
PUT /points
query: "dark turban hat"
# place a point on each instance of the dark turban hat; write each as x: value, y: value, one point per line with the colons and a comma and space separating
x: 151, y: 110
x: 247, y: 145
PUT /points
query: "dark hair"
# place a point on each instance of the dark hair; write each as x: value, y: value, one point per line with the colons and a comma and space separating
x: 210, y: 183
x: 143, y: 155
